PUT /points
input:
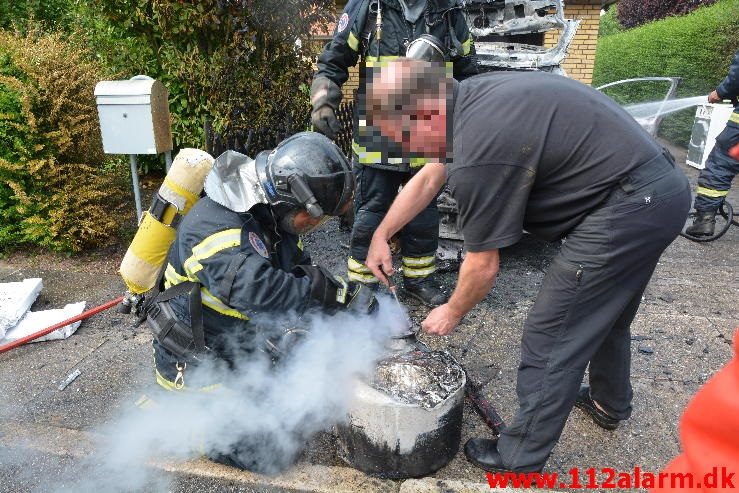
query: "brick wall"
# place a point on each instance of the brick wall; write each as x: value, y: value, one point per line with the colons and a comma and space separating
x: 581, y: 55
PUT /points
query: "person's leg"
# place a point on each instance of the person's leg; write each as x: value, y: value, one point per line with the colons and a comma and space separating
x: 419, y: 240
x: 592, y: 287
x: 714, y: 182
x: 375, y: 191
x: 610, y: 367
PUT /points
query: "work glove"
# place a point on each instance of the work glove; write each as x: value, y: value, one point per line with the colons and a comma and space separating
x: 325, y: 97
x: 333, y: 293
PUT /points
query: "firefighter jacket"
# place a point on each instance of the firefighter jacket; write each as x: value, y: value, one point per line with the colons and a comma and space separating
x: 356, y: 37
x: 243, y: 264
x: 729, y: 87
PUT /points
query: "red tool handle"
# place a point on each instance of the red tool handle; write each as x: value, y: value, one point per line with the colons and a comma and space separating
x: 49, y: 330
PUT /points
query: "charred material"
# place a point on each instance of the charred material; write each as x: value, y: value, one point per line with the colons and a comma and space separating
x: 407, y: 420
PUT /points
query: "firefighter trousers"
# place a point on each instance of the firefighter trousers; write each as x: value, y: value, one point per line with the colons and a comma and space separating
x: 715, y: 179
x: 419, y: 239
x: 585, y: 307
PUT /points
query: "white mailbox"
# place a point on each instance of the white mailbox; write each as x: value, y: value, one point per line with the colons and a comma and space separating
x: 134, y: 116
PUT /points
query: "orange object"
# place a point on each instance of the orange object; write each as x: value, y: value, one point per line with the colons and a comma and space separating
x: 709, y: 432
x: 734, y: 152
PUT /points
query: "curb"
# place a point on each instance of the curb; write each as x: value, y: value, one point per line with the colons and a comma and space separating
x: 303, y: 477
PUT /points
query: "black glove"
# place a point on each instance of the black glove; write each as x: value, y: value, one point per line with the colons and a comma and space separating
x: 325, y: 97
x: 360, y: 299
x: 333, y: 293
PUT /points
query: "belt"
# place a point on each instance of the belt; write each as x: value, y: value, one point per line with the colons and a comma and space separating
x: 646, y: 173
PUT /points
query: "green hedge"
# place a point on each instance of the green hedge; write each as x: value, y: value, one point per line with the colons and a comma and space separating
x: 57, y: 189
x: 697, y: 47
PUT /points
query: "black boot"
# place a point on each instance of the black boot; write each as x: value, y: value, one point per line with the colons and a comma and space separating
x: 587, y: 404
x: 703, y: 224
x: 426, y: 290
x: 483, y: 452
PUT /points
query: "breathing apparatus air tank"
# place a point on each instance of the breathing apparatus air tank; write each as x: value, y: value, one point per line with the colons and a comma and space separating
x: 148, y: 250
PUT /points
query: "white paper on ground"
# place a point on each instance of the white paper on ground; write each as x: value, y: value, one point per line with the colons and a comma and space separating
x: 16, y: 299
x: 35, y: 321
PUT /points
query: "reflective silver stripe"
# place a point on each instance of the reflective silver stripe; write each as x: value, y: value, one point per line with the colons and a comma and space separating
x: 410, y: 272
x: 419, y: 261
x: 363, y: 278
x: 356, y: 266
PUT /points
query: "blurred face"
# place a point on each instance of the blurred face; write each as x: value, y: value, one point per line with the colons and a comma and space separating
x: 422, y: 130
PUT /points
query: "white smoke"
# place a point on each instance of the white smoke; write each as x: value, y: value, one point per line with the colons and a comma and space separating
x: 267, y: 412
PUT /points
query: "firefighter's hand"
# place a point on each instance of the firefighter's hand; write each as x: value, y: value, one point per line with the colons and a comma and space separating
x: 441, y: 321
x: 714, y: 97
x: 325, y: 96
x: 380, y: 259
x: 360, y: 299
x: 325, y: 121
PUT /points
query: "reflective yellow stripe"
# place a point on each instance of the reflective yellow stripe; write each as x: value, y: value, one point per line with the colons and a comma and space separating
x: 708, y: 192
x: 419, y: 261
x: 364, y: 156
x: 216, y: 243
x: 217, y: 305
x: 418, y: 162
x: 373, y: 61
x: 213, y: 244
x: 171, y: 275
x: 300, y: 244
x: 356, y: 266
x: 467, y: 47
x: 145, y: 403
x: 169, y: 385
x: 363, y: 278
x: 734, y: 117
x: 414, y: 272
x: 353, y: 42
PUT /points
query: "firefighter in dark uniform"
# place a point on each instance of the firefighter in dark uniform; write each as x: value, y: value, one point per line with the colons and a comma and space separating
x: 722, y: 164
x: 238, y: 253
x: 555, y: 171
x: 377, y: 31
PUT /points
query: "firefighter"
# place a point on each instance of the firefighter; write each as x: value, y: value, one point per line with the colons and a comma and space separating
x: 376, y: 31
x: 722, y: 164
x: 238, y: 260
x: 555, y: 171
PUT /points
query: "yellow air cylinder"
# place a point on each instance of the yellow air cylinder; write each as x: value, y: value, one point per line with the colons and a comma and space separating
x: 181, y: 189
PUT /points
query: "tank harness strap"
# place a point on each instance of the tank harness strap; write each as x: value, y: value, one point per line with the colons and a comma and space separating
x: 228, y: 280
x: 195, y: 304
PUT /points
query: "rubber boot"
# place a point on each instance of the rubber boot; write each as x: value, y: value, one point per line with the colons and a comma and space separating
x: 703, y: 224
x: 427, y: 290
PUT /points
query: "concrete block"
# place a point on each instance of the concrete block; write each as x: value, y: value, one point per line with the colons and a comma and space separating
x: 16, y: 299
x: 35, y: 321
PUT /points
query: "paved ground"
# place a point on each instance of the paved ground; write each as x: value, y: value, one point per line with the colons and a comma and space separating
x: 680, y: 338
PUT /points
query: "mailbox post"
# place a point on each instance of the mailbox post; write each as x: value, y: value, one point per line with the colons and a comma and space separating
x: 134, y: 119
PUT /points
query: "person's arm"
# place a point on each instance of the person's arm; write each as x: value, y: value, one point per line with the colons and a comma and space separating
x: 412, y: 199
x: 476, y: 279
x: 729, y: 87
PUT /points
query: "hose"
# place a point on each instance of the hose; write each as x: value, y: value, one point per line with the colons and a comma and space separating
x: 89, y: 313
x: 727, y: 212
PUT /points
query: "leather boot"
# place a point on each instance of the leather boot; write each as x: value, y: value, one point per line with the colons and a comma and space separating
x: 427, y: 290
x: 703, y: 224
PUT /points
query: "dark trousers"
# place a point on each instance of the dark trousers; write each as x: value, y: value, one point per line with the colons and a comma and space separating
x: 585, y: 307
x: 419, y: 239
x: 715, y: 179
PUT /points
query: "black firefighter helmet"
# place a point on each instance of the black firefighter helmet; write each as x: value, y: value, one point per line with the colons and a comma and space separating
x: 306, y: 171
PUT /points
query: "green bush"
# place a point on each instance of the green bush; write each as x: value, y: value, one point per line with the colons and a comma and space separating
x: 56, y: 189
x: 233, y: 63
x: 25, y: 14
x: 609, y: 22
x: 697, y: 47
